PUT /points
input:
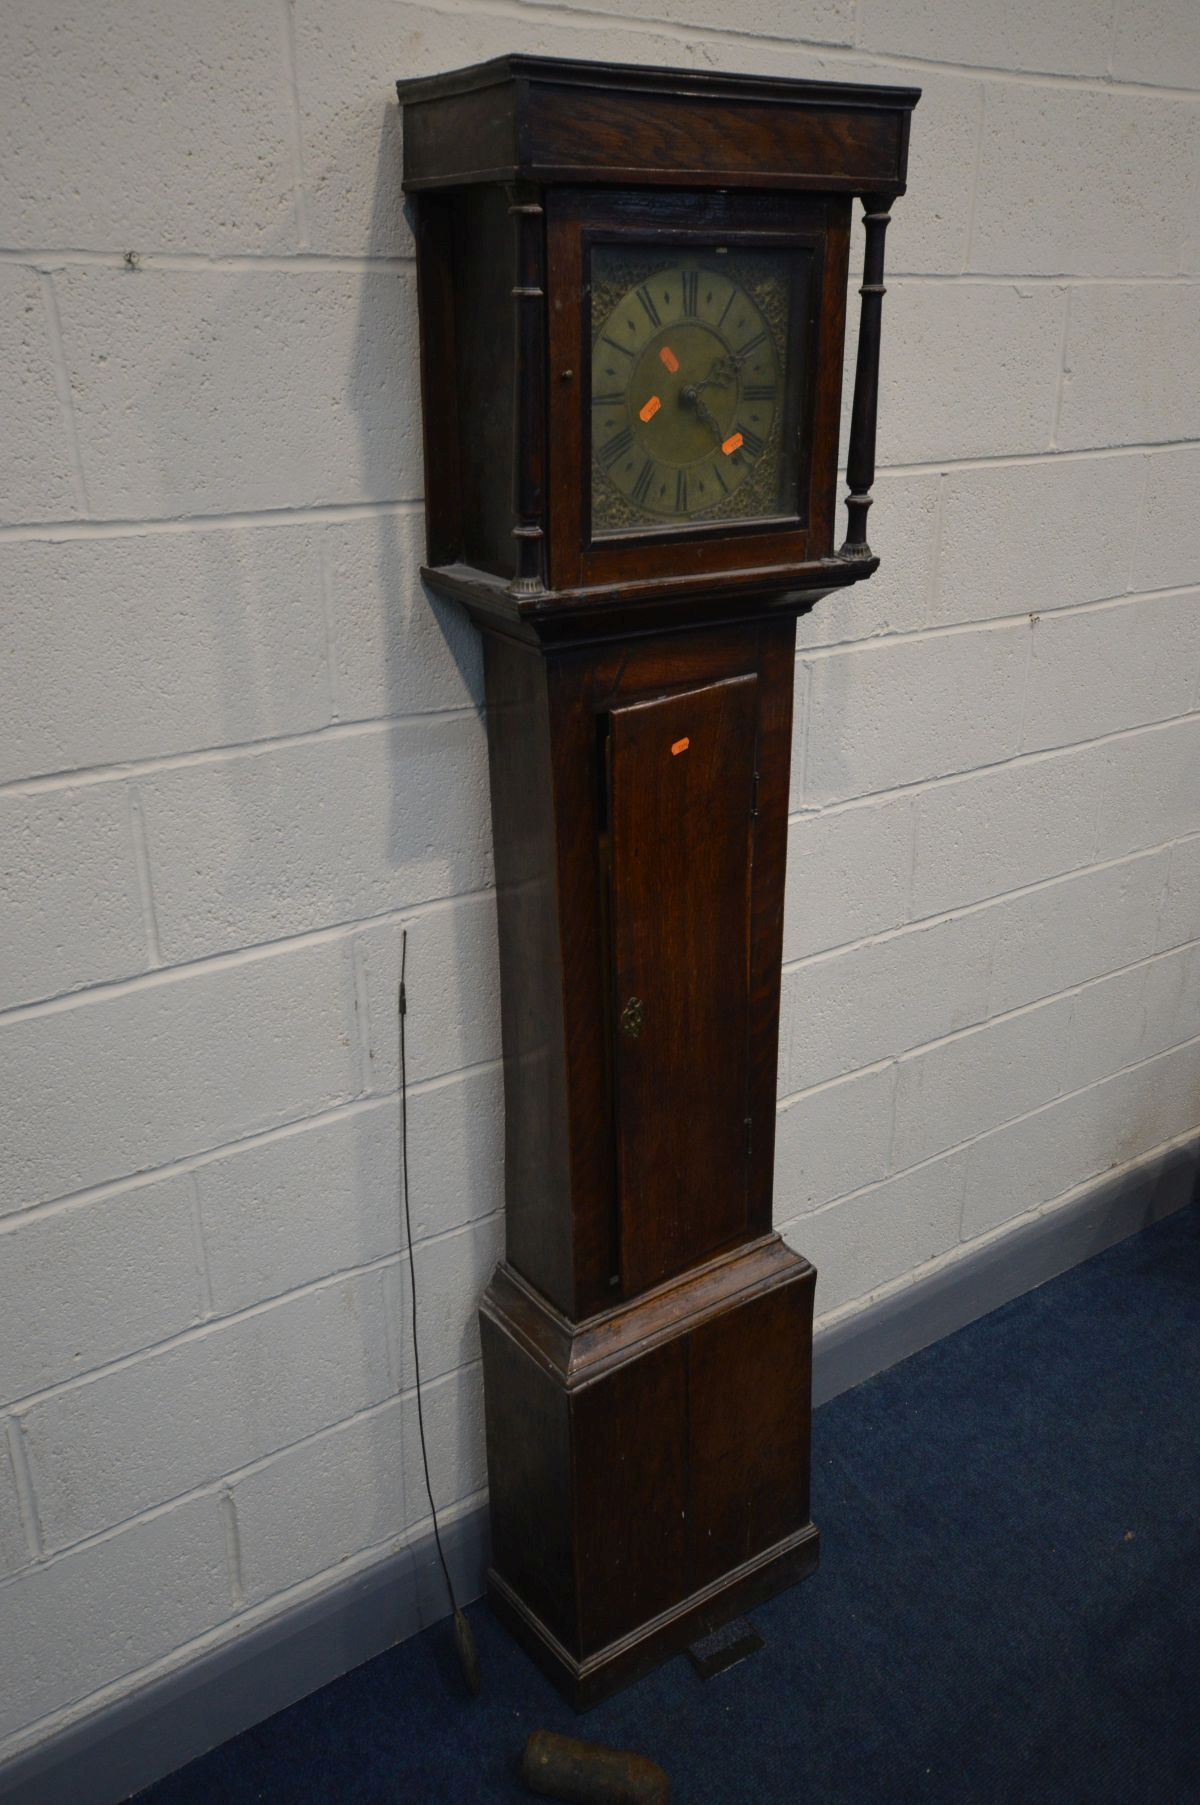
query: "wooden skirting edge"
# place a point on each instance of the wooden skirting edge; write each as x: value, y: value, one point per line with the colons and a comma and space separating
x: 959, y: 1290
x: 123, y: 1747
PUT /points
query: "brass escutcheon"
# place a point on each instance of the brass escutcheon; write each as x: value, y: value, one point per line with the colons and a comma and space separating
x: 632, y: 1017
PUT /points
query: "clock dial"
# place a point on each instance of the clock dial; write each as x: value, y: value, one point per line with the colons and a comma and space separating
x: 689, y: 362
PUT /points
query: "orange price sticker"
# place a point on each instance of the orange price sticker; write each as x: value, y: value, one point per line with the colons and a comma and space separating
x: 669, y: 358
x: 651, y: 408
x: 680, y: 746
x: 731, y: 444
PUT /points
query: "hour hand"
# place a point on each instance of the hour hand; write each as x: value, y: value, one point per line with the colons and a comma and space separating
x: 690, y: 397
x: 708, y: 417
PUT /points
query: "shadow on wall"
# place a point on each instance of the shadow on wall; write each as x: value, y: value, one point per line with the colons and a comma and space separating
x: 317, y: 368
x: 416, y: 633
x: 392, y: 651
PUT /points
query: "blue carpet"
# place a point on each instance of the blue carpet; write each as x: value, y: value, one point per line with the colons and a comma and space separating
x: 1007, y: 1607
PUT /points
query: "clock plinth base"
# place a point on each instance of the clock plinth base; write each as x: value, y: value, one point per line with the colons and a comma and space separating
x: 586, y: 1683
x: 649, y: 1467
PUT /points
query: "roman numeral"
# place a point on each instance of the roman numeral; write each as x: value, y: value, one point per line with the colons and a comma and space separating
x: 716, y: 470
x: 759, y: 391
x: 652, y: 314
x: 751, y: 442
x: 607, y: 400
x: 615, y: 447
x: 625, y: 352
x: 691, y: 290
x: 645, y: 477
x: 681, y: 494
x: 745, y: 350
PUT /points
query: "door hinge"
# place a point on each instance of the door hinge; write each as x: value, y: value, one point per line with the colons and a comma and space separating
x: 754, y: 797
x: 749, y: 1135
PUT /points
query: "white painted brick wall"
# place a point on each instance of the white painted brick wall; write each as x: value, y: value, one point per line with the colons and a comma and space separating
x: 1107, y: 214
x: 136, y: 1436
x: 983, y: 356
x: 274, y: 1214
x: 870, y: 726
x: 1109, y: 396
x: 453, y: 993
x: 115, y: 1277
x: 277, y: 390
x: 882, y: 998
x: 36, y: 474
x: 998, y: 556
x: 1098, y: 670
x: 124, y: 1080
x: 1042, y: 1157
x: 932, y: 239
x: 69, y: 891
x: 982, y: 835
x: 1075, y: 928
x: 131, y: 173
x: 1179, y: 917
x: 837, y: 1137
x: 974, y: 1081
x: 1108, y: 1028
x: 1150, y: 794
x: 107, y: 1610
x: 849, y: 874
x: 393, y: 650
x: 322, y: 1502
x: 1072, y: 37
x: 1171, y: 1000
x: 14, y: 1548
x: 241, y: 749
x: 1159, y: 43
x: 251, y: 848
x: 1167, y: 550
x: 127, y: 648
x: 886, y: 1231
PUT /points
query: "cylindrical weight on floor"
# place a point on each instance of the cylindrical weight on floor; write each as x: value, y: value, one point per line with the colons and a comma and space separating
x: 585, y: 1773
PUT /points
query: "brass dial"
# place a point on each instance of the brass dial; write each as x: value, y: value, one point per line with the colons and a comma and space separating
x: 688, y: 366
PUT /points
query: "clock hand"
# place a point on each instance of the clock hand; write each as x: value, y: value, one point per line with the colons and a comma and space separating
x: 708, y: 417
x: 727, y: 366
x: 719, y: 372
x: 724, y: 368
x: 690, y: 397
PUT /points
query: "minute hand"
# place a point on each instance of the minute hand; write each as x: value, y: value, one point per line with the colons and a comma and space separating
x: 724, y: 368
x: 721, y: 372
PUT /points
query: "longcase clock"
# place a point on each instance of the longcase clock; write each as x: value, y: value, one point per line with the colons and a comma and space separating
x: 632, y: 290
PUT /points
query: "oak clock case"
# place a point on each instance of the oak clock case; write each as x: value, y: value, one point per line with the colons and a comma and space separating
x: 632, y: 290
